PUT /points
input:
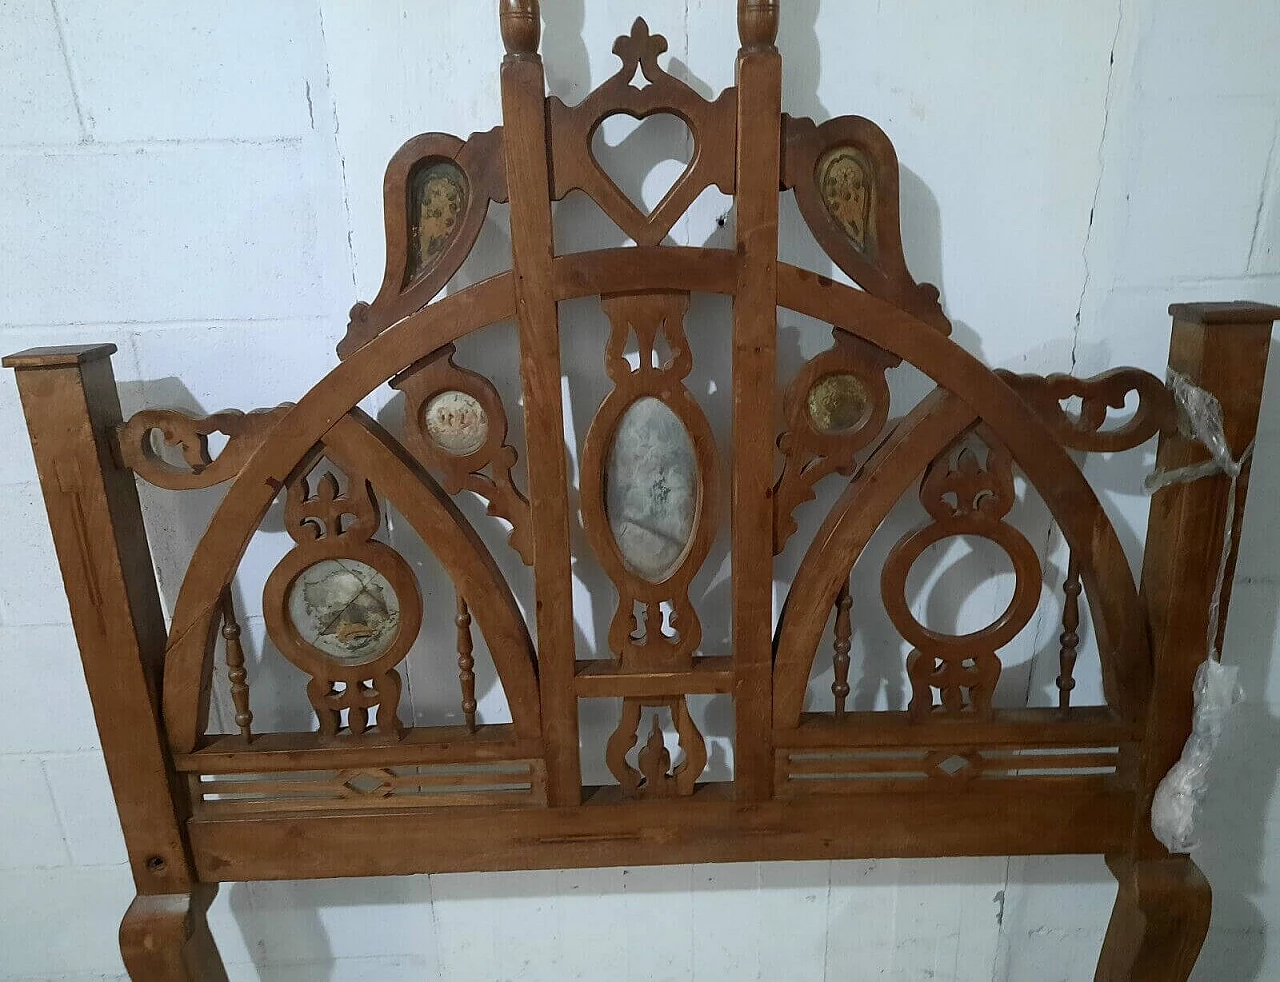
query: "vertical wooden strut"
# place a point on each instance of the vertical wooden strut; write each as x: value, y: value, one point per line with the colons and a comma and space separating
x: 466, y: 662
x: 528, y: 183
x: 755, y: 319
x: 72, y: 408
x: 1069, y: 639
x: 236, y: 674
x: 843, y: 645
x: 1162, y: 910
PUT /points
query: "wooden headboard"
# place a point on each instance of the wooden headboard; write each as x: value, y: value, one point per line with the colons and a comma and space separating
x: 363, y: 792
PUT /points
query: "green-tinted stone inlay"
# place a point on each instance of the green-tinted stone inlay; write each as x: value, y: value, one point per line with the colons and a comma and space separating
x: 651, y: 488
x: 345, y: 609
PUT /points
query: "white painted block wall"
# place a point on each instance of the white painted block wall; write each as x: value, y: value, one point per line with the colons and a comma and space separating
x: 201, y: 184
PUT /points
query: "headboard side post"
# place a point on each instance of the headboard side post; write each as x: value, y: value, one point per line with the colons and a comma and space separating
x: 1221, y: 348
x: 755, y: 329
x: 1162, y: 909
x: 72, y: 408
x: 529, y: 187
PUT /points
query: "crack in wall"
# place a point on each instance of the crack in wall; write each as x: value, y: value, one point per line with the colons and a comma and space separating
x: 1268, y: 173
x: 337, y: 145
x: 85, y: 135
x: 1097, y: 189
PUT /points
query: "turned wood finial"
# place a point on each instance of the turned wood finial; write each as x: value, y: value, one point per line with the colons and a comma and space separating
x: 521, y: 25
x: 758, y: 23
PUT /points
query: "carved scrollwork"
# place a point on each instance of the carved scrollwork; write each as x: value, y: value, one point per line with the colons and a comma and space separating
x: 964, y: 496
x: 436, y: 194
x: 190, y: 434
x: 654, y: 776
x: 834, y: 407
x: 455, y: 423
x: 711, y: 124
x: 647, y: 462
x: 845, y: 177
x: 1046, y: 395
x: 342, y: 606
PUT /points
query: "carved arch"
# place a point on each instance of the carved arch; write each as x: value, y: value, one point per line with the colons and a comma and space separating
x: 440, y: 525
x: 979, y: 395
x: 291, y: 449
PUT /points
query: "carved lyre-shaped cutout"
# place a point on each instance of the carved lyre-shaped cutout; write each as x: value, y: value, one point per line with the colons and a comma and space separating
x: 711, y: 125
x: 655, y: 774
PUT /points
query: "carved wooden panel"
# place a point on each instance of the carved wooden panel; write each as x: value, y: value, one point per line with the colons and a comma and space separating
x: 837, y: 405
x: 456, y: 424
x: 190, y: 435
x: 964, y: 496
x: 436, y: 195
x: 342, y: 606
x: 711, y: 125
x: 363, y: 793
x: 649, y: 467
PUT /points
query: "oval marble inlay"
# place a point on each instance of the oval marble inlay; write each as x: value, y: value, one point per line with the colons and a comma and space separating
x: 345, y: 609
x: 838, y: 403
x: 437, y: 200
x: 651, y: 487
x: 456, y: 422
x: 846, y: 183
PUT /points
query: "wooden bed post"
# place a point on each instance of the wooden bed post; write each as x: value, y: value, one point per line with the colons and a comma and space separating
x: 529, y: 186
x: 1161, y: 914
x: 70, y: 401
x: 755, y: 339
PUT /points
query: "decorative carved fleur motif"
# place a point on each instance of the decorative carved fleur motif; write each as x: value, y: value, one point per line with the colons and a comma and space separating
x: 342, y: 606
x: 654, y: 776
x: 970, y: 496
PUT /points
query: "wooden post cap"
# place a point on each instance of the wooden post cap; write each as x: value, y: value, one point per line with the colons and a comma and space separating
x: 758, y: 23
x: 60, y: 356
x: 521, y: 22
x: 1231, y: 312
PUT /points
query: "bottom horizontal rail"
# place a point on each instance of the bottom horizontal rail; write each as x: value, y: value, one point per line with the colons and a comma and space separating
x: 709, y: 827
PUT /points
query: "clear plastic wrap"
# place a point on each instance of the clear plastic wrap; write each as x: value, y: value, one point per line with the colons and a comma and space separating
x: 1175, y: 809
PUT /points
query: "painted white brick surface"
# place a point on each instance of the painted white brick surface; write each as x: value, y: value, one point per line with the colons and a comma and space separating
x: 201, y: 185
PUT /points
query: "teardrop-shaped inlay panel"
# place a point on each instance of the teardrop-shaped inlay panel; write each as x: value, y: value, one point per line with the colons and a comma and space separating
x: 651, y: 489
x: 437, y: 202
x: 847, y: 185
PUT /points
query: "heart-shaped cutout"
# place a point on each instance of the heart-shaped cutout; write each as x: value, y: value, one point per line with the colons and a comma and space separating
x: 643, y: 158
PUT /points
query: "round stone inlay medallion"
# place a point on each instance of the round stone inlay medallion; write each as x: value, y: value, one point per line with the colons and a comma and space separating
x: 345, y: 609
x: 457, y: 423
x: 838, y: 403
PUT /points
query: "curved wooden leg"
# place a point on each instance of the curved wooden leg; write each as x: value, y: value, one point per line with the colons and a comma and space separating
x: 1159, y: 921
x: 165, y: 938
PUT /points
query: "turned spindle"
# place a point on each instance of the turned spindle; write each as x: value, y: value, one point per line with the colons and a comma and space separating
x: 466, y: 663
x: 236, y: 673
x: 843, y: 645
x: 1070, y: 638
